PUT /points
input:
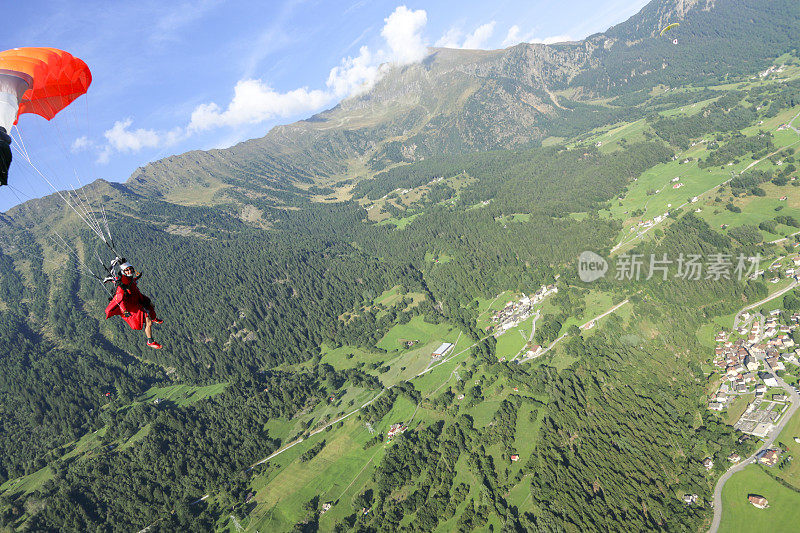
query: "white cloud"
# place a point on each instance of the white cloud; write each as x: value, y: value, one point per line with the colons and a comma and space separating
x: 450, y: 39
x: 121, y: 139
x: 254, y: 102
x: 552, y: 40
x: 515, y: 36
x: 476, y: 40
x: 124, y: 140
x: 354, y: 75
x: 479, y: 37
x: 403, y: 34
x: 81, y: 143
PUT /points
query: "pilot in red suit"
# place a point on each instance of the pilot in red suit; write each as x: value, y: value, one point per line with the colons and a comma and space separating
x: 134, y: 307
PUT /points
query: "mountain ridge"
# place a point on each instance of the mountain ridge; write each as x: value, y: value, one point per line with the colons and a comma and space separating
x: 468, y: 100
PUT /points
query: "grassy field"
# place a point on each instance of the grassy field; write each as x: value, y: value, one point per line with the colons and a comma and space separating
x: 419, y: 330
x: 337, y: 474
x: 399, y: 223
x: 182, y: 395
x: 289, y: 483
x: 756, y: 210
x: 205, y: 194
x: 706, y: 333
x: 737, y: 408
x: 514, y: 217
x: 595, y: 303
x: 510, y: 343
x: 786, y: 438
x: 34, y: 480
x: 653, y: 192
x: 27, y: 484
x: 487, y: 307
x: 615, y: 138
x: 343, y: 469
x: 388, y: 298
x: 403, y: 363
x: 739, y: 515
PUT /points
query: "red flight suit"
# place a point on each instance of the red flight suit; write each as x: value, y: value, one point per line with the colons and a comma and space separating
x: 128, y: 299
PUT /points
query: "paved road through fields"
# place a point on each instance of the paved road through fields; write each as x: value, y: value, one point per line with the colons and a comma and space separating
x: 786, y: 289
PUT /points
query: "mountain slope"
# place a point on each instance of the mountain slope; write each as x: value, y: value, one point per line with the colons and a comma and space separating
x: 464, y: 100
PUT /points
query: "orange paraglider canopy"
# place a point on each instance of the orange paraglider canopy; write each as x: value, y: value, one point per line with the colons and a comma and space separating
x: 55, y: 78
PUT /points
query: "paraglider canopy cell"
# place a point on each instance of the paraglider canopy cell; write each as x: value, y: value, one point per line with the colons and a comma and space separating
x: 42, y: 81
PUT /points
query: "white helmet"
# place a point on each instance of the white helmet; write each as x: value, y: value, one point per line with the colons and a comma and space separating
x: 125, y: 266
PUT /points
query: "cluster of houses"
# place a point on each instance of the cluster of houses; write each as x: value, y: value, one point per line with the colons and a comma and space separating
x: 644, y: 224
x: 515, y: 312
x: 774, y: 69
x: 394, y: 430
x: 791, y: 272
x: 740, y: 364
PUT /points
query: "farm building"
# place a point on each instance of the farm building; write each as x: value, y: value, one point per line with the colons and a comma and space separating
x: 758, y: 501
x: 442, y: 349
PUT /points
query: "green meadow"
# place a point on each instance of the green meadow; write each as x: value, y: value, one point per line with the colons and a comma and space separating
x: 739, y: 515
x: 787, y: 439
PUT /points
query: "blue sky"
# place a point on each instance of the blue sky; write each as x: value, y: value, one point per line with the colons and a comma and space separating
x: 169, y: 77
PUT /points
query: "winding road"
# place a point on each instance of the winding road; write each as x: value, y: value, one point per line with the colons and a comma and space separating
x: 772, y: 296
x: 584, y: 327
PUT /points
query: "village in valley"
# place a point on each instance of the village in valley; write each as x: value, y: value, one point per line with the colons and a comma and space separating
x: 749, y: 365
x: 516, y: 312
x: 756, y: 375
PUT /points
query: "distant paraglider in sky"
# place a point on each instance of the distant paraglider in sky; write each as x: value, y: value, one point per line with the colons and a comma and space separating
x: 668, y: 27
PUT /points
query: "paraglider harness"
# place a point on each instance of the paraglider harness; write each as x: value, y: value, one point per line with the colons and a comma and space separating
x: 5, y: 155
x: 115, y: 275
